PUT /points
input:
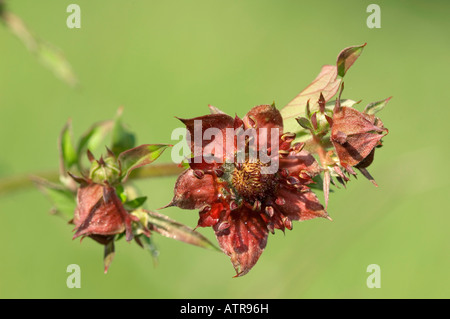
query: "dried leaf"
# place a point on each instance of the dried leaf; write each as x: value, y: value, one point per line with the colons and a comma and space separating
x: 172, y: 229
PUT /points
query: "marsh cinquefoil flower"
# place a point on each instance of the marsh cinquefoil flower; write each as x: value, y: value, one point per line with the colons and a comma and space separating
x: 242, y: 200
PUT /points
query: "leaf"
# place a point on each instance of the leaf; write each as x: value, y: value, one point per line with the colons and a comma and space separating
x: 304, y: 122
x: 135, y: 203
x: 175, y: 230
x: 139, y: 156
x: 347, y: 57
x: 108, y: 255
x: 147, y: 243
x: 67, y: 153
x: 93, y: 137
x: 375, y: 107
x: 122, y: 138
x: 327, y: 83
x: 62, y: 199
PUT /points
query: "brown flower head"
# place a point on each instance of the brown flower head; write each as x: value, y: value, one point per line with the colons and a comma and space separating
x: 354, y: 136
x: 244, y: 197
x: 99, y: 212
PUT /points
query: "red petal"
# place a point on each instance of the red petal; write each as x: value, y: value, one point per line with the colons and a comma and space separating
x: 210, y: 216
x: 264, y: 116
x: 244, y: 240
x: 218, y: 121
x: 300, y: 205
x: 295, y: 163
x: 193, y: 193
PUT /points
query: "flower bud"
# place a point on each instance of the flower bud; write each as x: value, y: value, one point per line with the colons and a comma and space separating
x: 355, y: 135
x: 105, y: 170
x: 99, y: 211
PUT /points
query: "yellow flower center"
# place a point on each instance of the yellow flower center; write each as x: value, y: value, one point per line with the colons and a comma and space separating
x: 248, y: 181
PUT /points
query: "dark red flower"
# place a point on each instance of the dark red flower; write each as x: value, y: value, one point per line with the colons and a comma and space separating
x: 100, y: 212
x: 243, y: 200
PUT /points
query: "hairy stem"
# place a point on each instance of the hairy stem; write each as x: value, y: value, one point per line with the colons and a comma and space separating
x: 316, y: 145
x: 20, y: 182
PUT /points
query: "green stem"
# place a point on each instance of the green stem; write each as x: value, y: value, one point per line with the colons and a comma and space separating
x: 20, y: 182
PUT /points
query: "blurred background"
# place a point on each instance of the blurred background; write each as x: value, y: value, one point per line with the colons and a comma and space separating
x: 173, y: 58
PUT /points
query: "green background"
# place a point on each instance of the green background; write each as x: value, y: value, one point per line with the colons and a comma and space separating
x: 173, y: 58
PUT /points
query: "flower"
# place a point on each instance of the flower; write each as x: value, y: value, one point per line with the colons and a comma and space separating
x: 354, y: 136
x: 99, y: 212
x: 242, y: 200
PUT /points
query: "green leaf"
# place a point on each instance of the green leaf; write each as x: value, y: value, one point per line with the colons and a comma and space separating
x: 139, y: 156
x: 122, y: 138
x: 304, y: 122
x: 67, y: 153
x: 63, y: 200
x: 347, y: 57
x: 93, y: 138
x: 147, y: 243
x: 327, y: 82
x: 172, y: 229
x: 375, y: 107
x: 135, y: 203
x: 121, y: 193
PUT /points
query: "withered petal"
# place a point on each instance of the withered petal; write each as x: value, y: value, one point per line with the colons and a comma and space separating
x: 264, y: 116
x: 94, y: 216
x: 218, y: 121
x: 300, y: 205
x: 211, y: 215
x: 244, y: 240
x: 296, y: 163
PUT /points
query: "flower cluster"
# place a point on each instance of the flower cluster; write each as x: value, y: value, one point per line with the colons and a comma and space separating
x: 233, y: 190
x: 100, y: 202
x: 246, y: 176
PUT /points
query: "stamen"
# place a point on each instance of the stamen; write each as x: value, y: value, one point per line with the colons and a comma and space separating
x: 199, y: 173
x: 280, y: 201
x: 269, y: 211
x: 257, y: 205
